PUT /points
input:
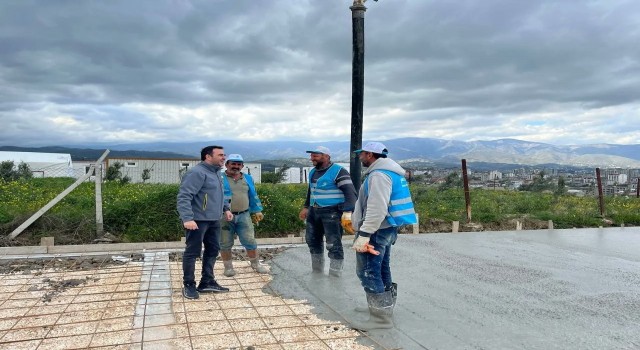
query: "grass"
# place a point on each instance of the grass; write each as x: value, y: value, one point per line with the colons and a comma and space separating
x: 147, y: 212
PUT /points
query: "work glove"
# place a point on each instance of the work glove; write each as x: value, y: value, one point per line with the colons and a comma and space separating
x: 361, y: 245
x: 257, y: 217
x: 346, y: 223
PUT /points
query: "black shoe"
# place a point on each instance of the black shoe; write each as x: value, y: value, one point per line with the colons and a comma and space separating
x: 211, y: 287
x: 189, y: 291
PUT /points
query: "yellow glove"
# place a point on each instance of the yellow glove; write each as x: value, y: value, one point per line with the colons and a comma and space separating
x: 257, y: 217
x: 346, y: 223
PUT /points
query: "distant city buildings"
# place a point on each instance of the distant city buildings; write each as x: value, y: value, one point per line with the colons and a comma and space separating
x: 580, y: 182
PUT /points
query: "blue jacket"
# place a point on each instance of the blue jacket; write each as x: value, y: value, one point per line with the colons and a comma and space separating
x: 254, y: 202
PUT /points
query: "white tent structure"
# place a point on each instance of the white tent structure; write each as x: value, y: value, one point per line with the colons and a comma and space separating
x: 42, y: 164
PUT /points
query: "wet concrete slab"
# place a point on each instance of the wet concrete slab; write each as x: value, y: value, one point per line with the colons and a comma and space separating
x: 543, y: 289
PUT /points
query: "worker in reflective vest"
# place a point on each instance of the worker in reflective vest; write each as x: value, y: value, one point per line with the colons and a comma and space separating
x: 327, y: 209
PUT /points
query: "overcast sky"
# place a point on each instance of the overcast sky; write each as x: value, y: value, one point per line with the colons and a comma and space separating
x: 79, y: 72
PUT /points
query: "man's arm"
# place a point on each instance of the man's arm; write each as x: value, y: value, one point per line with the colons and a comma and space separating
x: 377, y: 202
x: 255, y: 205
x: 303, y: 212
x: 344, y: 183
x: 189, y: 188
x: 308, y: 199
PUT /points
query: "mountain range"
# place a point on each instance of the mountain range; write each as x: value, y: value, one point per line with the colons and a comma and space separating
x: 415, y: 151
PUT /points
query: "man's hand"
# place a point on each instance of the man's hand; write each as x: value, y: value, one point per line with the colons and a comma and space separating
x: 360, y: 244
x: 303, y: 214
x: 190, y: 225
x: 346, y: 223
x: 257, y: 217
x: 228, y: 215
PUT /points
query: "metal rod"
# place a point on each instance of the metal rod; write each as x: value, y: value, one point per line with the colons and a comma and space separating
x: 357, y: 91
x: 600, y: 193
x: 467, y: 195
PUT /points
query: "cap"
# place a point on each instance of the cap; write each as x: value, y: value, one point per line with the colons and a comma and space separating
x: 321, y: 150
x: 235, y: 158
x: 373, y: 147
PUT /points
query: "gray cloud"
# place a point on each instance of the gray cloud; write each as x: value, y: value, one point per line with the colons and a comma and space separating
x: 281, y: 69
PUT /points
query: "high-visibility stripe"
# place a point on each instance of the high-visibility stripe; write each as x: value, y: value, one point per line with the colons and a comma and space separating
x: 401, y: 210
x: 401, y: 201
x: 324, y: 192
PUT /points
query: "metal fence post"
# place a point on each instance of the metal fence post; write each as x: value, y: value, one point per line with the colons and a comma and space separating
x: 600, y: 193
x: 467, y: 196
x: 98, y: 181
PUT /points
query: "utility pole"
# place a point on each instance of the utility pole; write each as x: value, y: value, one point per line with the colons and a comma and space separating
x: 357, y: 89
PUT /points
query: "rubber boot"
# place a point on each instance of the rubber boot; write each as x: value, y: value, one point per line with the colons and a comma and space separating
x: 227, y: 260
x: 317, y: 262
x: 255, y: 264
x: 380, y: 312
x: 335, y: 267
x: 394, y: 293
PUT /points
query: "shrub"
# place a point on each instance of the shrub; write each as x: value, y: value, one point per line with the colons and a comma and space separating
x: 282, y: 204
x: 9, y: 172
x: 147, y: 212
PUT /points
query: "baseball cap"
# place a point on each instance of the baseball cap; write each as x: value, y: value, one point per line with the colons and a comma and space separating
x: 373, y: 147
x: 321, y: 150
x: 235, y: 158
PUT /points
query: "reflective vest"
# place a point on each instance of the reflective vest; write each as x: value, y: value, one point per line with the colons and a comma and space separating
x: 325, y: 192
x: 254, y: 202
x: 400, y: 211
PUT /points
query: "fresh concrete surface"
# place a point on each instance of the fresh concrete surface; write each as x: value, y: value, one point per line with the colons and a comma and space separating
x: 546, y: 289
x: 543, y: 289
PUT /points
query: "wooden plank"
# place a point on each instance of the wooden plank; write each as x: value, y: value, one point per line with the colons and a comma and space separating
x: 98, y: 180
x: 54, y: 201
x: 99, y: 218
x: 49, y: 205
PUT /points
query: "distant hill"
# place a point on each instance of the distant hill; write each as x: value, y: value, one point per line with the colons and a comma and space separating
x: 428, y: 151
x: 416, y: 151
x: 79, y: 154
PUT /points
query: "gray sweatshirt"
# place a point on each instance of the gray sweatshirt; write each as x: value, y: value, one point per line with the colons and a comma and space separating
x: 371, y: 211
x: 201, y: 193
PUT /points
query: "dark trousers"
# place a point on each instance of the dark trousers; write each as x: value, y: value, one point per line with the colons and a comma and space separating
x: 208, y: 233
x: 324, y: 222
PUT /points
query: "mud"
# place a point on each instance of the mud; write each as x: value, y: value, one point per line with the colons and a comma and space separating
x: 32, y: 266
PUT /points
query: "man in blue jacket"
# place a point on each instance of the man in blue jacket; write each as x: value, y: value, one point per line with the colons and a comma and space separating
x: 240, y: 192
x: 331, y: 197
x: 201, y: 206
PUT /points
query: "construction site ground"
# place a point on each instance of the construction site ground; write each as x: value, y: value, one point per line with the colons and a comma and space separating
x: 539, y: 289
